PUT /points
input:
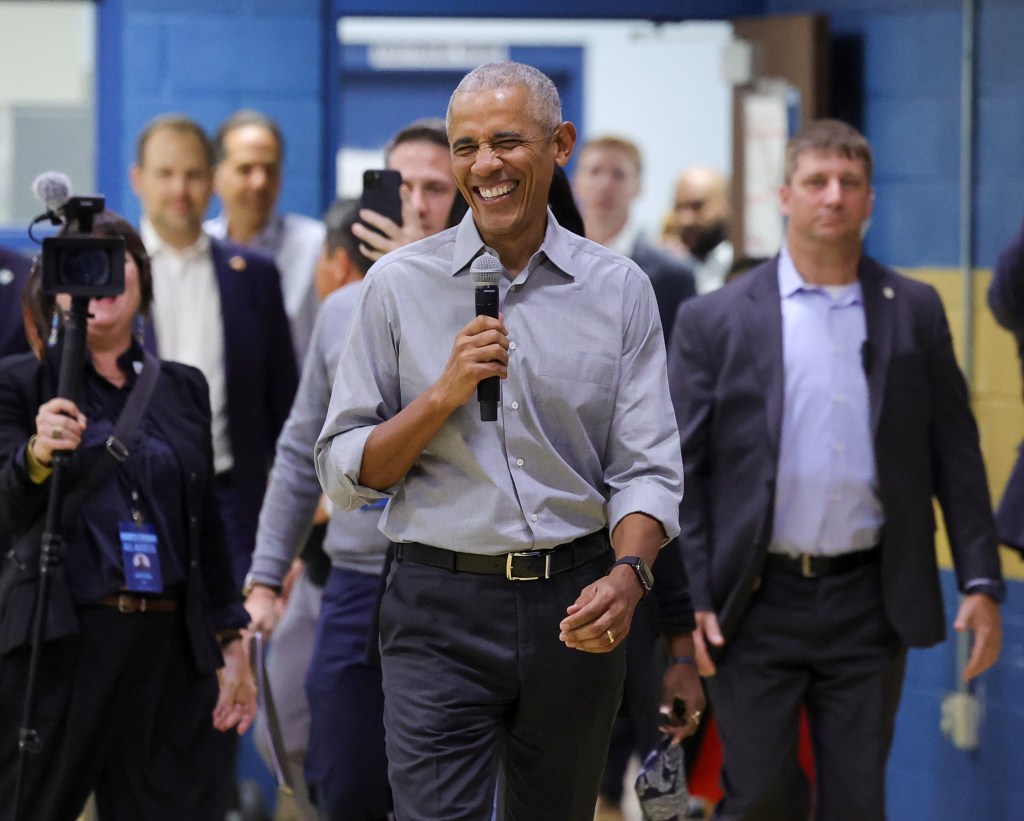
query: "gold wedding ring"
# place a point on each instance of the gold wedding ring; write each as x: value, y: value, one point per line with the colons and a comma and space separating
x: 611, y: 638
x: 57, y: 433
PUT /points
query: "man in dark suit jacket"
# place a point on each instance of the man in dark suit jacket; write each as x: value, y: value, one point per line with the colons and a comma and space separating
x: 607, y: 181
x: 1006, y: 298
x: 820, y: 409
x: 217, y: 306
x: 14, y: 269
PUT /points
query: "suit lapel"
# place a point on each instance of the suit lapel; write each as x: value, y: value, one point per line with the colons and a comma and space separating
x: 879, y: 314
x: 761, y: 319
x: 231, y: 299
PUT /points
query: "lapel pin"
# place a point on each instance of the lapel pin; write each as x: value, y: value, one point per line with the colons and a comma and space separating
x: 888, y: 292
x: 237, y: 262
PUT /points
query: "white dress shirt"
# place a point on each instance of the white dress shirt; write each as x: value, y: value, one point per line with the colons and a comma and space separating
x: 188, y: 323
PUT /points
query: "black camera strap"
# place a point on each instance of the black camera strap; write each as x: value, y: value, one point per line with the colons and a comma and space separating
x: 120, y: 441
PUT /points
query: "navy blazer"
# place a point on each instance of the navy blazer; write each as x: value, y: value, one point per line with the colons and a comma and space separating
x: 1006, y: 299
x: 180, y: 407
x: 261, y: 371
x: 672, y: 279
x: 14, y: 270
x: 726, y: 378
x: 261, y: 375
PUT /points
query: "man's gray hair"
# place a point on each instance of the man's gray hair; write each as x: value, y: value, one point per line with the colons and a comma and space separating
x: 543, y: 104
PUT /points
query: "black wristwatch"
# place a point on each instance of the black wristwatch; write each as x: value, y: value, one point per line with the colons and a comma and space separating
x: 643, y: 572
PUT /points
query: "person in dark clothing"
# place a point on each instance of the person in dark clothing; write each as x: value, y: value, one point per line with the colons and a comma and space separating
x: 136, y: 658
x: 14, y: 268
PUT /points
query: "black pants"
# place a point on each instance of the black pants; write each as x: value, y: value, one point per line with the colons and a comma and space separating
x: 120, y: 711
x: 472, y: 665
x: 824, y: 643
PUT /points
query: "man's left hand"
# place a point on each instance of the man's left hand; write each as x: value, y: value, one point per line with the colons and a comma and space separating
x: 682, y: 688
x: 599, y: 619
x: 236, y: 702
x: 980, y: 614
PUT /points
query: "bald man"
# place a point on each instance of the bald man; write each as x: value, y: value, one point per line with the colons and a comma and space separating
x: 701, y: 214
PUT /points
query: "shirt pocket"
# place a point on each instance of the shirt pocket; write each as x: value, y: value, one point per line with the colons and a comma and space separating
x: 578, y: 395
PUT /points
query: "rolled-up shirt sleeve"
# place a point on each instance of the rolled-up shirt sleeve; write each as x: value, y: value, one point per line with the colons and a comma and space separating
x: 643, y: 469
x: 366, y: 392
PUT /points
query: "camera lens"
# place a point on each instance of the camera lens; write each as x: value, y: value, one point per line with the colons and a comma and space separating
x: 83, y: 266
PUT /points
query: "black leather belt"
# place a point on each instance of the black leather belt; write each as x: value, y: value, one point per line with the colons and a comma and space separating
x: 811, y: 567
x: 526, y: 565
x: 130, y: 603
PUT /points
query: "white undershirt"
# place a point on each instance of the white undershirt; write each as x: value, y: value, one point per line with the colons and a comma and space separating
x: 188, y: 323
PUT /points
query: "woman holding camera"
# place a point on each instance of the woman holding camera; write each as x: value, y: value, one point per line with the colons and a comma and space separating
x: 141, y: 643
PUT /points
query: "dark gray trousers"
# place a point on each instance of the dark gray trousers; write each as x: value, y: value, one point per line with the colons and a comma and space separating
x: 474, y: 675
x: 824, y: 643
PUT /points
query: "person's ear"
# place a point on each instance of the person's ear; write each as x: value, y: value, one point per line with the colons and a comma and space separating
x: 565, y: 140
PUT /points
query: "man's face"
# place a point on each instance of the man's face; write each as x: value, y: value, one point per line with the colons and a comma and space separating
x: 606, y: 182
x: 248, y: 179
x: 426, y: 170
x: 701, y: 207
x: 173, y: 184
x: 827, y: 199
x: 503, y: 161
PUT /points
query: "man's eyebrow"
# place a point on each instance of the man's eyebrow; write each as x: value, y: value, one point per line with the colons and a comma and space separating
x: 497, y: 137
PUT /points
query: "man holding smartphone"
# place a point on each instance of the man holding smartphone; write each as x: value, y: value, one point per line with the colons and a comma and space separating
x: 345, y: 776
x: 419, y: 153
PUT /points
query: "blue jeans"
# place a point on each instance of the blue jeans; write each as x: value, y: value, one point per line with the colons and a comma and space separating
x: 346, y: 766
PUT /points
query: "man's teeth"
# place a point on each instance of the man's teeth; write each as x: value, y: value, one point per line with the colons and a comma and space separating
x: 491, y: 193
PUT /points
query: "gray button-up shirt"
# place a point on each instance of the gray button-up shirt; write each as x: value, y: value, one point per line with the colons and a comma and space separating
x: 353, y: 540
x: 585, y: 433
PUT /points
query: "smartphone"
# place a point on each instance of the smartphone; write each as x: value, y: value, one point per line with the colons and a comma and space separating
x: 381, y: 188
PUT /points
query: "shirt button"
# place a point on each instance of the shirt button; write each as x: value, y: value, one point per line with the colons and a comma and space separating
x: 511, y: 346
x: 515, y: 406
x: 520, y: 462
x: 533, y: 517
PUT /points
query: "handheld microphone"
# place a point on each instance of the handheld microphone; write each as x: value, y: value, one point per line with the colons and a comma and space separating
x: 486, y: 270
x: 53, y: 188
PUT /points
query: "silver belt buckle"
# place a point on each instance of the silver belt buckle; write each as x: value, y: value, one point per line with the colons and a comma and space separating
x: 528, y: 554
x: 127, y: 604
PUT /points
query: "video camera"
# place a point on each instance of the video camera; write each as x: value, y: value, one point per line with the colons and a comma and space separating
x: 78, y: 263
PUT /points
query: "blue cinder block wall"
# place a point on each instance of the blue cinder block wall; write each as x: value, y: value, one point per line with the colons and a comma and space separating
x: 208, y: 58
x: 909, y: 86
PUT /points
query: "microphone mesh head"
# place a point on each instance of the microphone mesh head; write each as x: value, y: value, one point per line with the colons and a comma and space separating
x: 486, y: 269
x: 53, y: 188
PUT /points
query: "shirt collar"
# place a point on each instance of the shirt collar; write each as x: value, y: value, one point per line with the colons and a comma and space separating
x: 625, y: 241
x: 790, y: 282
x: 268, y: 238
x: 555, y: 247
x: 155, y: 244
x: 130, y: 362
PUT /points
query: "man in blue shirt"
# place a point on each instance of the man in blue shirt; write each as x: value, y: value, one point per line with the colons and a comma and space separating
x: 820, y: 409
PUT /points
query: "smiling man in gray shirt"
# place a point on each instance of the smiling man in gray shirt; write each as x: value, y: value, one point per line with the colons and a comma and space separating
x: 503, y: 622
